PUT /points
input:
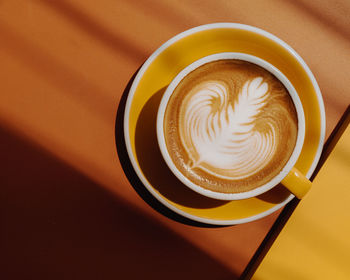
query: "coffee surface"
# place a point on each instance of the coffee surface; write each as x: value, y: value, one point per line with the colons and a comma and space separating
x: 230, y: 126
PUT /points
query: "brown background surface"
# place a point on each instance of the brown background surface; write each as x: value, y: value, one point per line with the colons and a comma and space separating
x: 67, y: 210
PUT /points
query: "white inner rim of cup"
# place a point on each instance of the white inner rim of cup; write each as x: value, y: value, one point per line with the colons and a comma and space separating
x: 293, y: 94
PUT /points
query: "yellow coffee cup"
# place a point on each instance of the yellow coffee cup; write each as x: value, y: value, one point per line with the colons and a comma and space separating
x: 289, y: 176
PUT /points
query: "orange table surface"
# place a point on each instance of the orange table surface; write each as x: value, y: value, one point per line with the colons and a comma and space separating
x: 67, y: 208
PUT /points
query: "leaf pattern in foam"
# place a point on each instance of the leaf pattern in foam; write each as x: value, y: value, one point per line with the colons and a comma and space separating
x: 224, y: 137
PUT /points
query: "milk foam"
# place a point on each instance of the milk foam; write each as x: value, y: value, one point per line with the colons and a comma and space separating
x: 219, y: 137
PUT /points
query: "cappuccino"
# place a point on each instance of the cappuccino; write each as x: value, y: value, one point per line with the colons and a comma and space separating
x: 230, y: 126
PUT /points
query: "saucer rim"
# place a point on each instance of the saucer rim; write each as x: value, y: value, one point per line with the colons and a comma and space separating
x: 151, y: 59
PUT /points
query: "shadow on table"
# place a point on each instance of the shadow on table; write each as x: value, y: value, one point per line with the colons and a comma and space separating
x: 58, y: 224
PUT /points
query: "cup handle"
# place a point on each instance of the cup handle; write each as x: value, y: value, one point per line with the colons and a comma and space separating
x: 297, y: 183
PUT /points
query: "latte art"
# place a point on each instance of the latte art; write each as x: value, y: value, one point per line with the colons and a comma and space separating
x: 230, y: 126
x: 220, y: 138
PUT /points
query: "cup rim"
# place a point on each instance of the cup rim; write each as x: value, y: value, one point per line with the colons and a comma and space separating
x: 292, y: 93
x: 150, y: 60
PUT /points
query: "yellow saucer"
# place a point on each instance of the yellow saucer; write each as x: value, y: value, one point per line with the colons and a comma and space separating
x: 145, y: 95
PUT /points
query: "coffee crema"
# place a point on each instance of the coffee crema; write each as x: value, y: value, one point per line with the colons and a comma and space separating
x: 230, y: 126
